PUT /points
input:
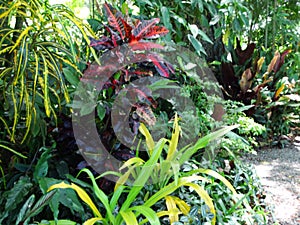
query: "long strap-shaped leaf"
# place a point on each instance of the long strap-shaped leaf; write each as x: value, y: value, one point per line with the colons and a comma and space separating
x: 143, y: 177
x: 185, y: 181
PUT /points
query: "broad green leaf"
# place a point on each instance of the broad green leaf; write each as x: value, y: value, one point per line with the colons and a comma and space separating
x: 204, y: 36
x: 197, y: 45
x: 101, y: 111
x: 71, y: 76
x: 41, y: 168
x: 166, y: 20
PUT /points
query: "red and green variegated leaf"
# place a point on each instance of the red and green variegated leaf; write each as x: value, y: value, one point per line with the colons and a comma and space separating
x: 112, y: 17
x: 114, y: 36
x: 156, y: 32
x: 102, y: 44
x: 143, y: 28
x: 145, y: 113
x: 135, y: 46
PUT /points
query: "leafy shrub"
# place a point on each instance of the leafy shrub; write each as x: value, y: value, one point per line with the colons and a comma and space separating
x: 245, y: 138
x: 39, y: 58
x: 163, y: 172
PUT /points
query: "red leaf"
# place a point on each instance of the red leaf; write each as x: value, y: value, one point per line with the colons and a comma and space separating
x: 156, y: 32
x: 126, y: 28
x: 143, y: 28
x: 144, y: 46
x: 161, y: 68
x: 113, y: 17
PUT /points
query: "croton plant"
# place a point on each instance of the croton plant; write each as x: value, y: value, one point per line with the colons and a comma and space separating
x: 126, y: 54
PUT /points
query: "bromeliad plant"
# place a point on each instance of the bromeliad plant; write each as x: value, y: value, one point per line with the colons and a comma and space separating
x: 163, y: 172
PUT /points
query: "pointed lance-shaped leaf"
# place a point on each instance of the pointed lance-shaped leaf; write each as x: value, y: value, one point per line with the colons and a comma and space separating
x: 126, y: 28
x: 159, y: 64
x: 156, y: 32
x: 112, y: 18
x: 274, y: 62
x: 143, y: 28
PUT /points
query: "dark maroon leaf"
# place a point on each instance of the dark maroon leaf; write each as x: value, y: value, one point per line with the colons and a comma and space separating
x: 116, y: 39
x: 102, y: 44
x: 244, y: 55
x: 281, y: 61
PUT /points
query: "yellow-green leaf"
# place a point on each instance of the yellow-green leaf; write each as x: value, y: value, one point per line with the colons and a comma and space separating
x: 279, y: 90
x: 259, y: 64
x: 149, y: 140
x: 81, y: 193
x: 172, y: 208
x: 204, y: 195
x: 25, y: 32
x: 174, y: 139
x: 183, y: 206
x: 92, y: 221
x: 129, y: 217
x: 134, y: 160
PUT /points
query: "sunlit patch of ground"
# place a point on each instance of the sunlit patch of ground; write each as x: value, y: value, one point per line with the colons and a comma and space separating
x: 279, y: 170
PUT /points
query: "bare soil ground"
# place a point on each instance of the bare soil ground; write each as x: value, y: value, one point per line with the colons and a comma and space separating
x: 279, y: 171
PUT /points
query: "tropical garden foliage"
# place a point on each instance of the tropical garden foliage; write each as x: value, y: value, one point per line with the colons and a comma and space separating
x: 49, y: 57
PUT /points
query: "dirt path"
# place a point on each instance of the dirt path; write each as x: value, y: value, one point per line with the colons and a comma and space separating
x: 279, y: 170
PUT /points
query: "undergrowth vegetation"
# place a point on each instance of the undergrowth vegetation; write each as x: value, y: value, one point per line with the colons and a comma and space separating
x: 228, y: 86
